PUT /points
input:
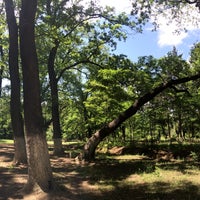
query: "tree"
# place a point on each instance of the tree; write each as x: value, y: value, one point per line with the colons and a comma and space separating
x: 71, y: 26
x: 5, y: 121
x: 2, y: 46
x: 1, y: 69
x: 39, y: 169
x: 144, y: 10
x: 15, y: 103
x: 181, y: 11
x: 194, y: 57
x: 73, y: 113
x: 109, y: 88
x: 90, y: 146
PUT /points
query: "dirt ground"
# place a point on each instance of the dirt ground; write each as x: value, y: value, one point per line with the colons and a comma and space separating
x: 13, y: 178
x: 107, y: 179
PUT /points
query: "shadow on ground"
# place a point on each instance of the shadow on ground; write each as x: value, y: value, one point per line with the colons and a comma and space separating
x: 12, y: 178
x: 102, y: 180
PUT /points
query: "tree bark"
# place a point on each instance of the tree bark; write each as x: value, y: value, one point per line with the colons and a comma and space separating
x: 1, y: 70
x: 15, y: 103
x: 57, y: 135
x: 91, y: 145
x: 39, y: 168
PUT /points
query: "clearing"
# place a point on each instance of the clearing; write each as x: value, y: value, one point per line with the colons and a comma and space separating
x: 117, y: 177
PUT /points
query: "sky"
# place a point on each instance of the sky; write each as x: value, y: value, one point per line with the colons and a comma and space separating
x: 156, y: 43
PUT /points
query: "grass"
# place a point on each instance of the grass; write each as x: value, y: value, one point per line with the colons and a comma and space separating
x: 124, y: 177
x: 6, y: 141
x: 141, y: 176
x: 10, y: 141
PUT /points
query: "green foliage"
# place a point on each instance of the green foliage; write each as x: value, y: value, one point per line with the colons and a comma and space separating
x: 5, y: 121
x: 109, y: 90
x: 195, y: 156
x: 194, y: 57
x: 94, y: 85
x: 82, y: 37
x: 175, y: 11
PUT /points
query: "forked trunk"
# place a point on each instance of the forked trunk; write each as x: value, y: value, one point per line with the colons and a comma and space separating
x: 91, y: 145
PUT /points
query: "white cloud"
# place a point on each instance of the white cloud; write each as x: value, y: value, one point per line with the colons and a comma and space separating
x: 167, y: 35
x: 120, y: 5
x: 167, y: 32
x: 171, y: 32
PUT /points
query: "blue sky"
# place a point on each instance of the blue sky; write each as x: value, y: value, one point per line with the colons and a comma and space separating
x: 147, y: 44
x: 162, y: 41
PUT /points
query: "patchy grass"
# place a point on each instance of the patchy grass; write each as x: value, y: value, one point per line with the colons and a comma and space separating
x: 6, y: 141
x: 144, y: 179
x: 112, y: 177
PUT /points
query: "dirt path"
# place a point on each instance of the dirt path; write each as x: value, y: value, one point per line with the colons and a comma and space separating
x: 13, y: 178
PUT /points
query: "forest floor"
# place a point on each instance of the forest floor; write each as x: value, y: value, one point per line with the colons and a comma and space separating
x: 118, y: 177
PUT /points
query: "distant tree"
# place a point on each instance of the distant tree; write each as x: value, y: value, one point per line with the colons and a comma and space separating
x: 73, y: 40
x: 109, y: 87
x: 151, y: 74
x: 5, y: 121
x: 194, y: 57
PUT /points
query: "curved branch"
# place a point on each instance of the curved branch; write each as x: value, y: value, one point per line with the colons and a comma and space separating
x: 75, y: 64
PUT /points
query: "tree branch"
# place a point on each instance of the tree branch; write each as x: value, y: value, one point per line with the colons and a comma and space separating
x: 75, y: 64
x: 181, y: 90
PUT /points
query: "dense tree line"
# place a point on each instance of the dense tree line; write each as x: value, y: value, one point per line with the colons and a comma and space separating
x: 73, y: 85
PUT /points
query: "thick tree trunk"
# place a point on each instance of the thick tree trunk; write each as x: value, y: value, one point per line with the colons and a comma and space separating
x: 57, y: 135
x: 15, y: 103
x: 20, y: 150
x: 91, y: 145
x: 1, y: 70
x: 39, y: 168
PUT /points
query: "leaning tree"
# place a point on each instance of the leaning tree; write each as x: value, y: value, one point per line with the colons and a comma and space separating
x: 143, y: 11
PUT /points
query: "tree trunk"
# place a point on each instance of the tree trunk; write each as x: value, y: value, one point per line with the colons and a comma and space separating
x: 180, y: 129
x: 91, y: 145
x: 57, y: 135
x: 168, y: 128
x: 39, y: 168
x: 85, y: 115
x: 15, y: 103
x: 1, y: 70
